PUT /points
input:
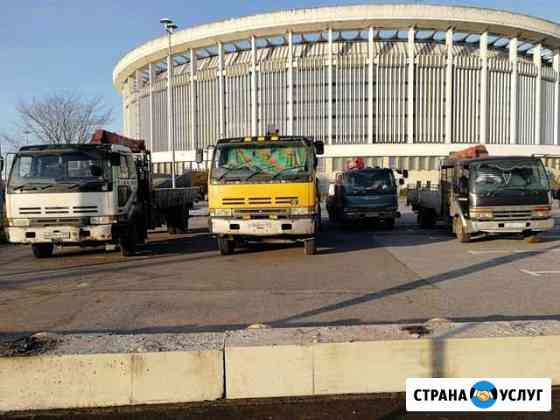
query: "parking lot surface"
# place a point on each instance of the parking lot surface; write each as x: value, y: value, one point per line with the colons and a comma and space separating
x: 360, y: 275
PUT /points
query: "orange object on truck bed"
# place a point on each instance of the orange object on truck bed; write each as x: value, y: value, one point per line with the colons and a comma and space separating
x: 107, y: 137
x: 473, y: 152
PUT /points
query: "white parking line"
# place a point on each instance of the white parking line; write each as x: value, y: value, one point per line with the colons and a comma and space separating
x: 539, y: 273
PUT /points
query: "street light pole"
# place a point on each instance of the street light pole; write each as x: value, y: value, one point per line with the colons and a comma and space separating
x: 170, y: 27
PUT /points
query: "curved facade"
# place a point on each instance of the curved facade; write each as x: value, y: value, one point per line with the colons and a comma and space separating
x: 399, y: 84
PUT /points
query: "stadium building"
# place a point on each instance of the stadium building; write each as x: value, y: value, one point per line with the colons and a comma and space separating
x: 401, y: 85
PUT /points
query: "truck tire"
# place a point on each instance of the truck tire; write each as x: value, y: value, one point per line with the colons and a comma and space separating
x: 426, y: 219
x: 310, y: 246
x: 459, y: 229
x: 389, y: 224
x: 226, y: 246
x: 183, y: 222
x: 128, y: 240
x: 42, y: 250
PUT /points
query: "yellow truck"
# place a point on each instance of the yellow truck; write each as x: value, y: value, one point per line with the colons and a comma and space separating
x: 264, y: 189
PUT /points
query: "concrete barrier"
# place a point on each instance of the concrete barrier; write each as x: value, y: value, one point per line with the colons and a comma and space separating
x: 99, y: 380
x: 371, y: 359
x: 110, y: 370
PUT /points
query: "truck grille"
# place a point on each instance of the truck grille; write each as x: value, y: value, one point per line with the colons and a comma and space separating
x: 287, y: 200
x: 58, y: 211
x: 512, y: 215
x: 233, y: 201
x: 259, y: 200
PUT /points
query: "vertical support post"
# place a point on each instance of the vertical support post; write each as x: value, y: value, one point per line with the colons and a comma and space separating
x: 556, y: 67
x: 484, y: 88
x: 170, y: 134
x: 449, y: 88
x: 290, y: 91
x: 221, y: 91
x: 537, y: 58
x: 330, y: 92
x: 152, y: 128
x: 124, y: 108
x: 371, y: 65
x: 513, y: 58
x: 411, y: 60
x: 253, y: 86
x: 137, y: 83
x: 193, y: 101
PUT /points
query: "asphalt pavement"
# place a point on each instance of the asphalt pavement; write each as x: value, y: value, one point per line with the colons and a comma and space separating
x: 360, y: 275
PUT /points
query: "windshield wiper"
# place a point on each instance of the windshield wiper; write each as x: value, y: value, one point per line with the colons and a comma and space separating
x: 228, y: 170
x: 256, y: 171
x: 31, y: 187
x: 288, y: 169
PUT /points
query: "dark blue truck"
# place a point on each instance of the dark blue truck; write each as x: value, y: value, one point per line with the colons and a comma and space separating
x: 365, y: 194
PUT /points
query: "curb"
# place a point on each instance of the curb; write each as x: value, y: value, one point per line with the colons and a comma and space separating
x: 88, y: 371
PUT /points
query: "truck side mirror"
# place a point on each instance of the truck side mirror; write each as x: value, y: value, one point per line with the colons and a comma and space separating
x: 199, y: 157
x: 405, y: 173
x: 401, y: 182
x: 319, y: 148
x: 115, y: 159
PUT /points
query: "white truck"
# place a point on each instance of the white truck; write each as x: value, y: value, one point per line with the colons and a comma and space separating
x: 92, y: 194
x: 483, y: 195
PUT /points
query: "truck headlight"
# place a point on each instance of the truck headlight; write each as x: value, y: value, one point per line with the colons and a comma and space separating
x: 102, y: 220
x: 220, y: 212
x: 482, y: 214
x: 19, y: 222
x: 302, y: 211
x: 541, y: 213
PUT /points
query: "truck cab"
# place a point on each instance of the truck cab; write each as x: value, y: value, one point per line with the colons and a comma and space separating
x: 264, y: 188
x: 504, y: 194
x: 70, y: 194
x: 365, y: 194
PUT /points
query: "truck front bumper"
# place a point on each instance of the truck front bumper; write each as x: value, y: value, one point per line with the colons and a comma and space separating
x: 535, y: 225
x: 71, y: 235
x: 356, y: 214
x: 263, y: 227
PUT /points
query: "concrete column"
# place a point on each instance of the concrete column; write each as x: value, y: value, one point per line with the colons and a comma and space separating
x: 371, y: 68
x: 290, y: 91
x: 170, y: 137
x: 537, y: 58
x: 193, y: 101
x: 151, y: 76
x: 330, y: 93
x: 484, y: 88
x: 137, y: 85
x: 254, y: 104
x: 449, y: 88
x: 556, y: 66
x: 124, y: 111
x: 513, y: 58
x: 221, y: 91
x: 411, y: 60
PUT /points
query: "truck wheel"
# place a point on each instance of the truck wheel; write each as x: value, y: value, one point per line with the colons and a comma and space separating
x: 389, y: 224
x: 426, y: 219
x: 128, y: 241
x: 42, y: 250
x: 310, y: 246
x: 226, y: 246
x: 460, y: 232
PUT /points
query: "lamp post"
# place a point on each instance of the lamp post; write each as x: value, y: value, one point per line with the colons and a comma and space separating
x: 170, y: 28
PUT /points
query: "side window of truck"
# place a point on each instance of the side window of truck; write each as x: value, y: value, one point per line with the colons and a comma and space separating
x: 123, y: 170
x: 131, y: 167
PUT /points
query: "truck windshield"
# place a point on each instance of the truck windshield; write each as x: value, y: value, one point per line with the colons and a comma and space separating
x: 65, y: 171
x: 508, y: 176
x: 270, y: 161
x: 369, y: 182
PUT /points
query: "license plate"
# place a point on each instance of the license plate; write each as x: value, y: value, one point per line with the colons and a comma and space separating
x: 262, y: 227
x: 515, y: 225
x: 57, y: 235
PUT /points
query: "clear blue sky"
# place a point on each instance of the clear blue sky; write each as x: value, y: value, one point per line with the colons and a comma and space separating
x: 48, y: 45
